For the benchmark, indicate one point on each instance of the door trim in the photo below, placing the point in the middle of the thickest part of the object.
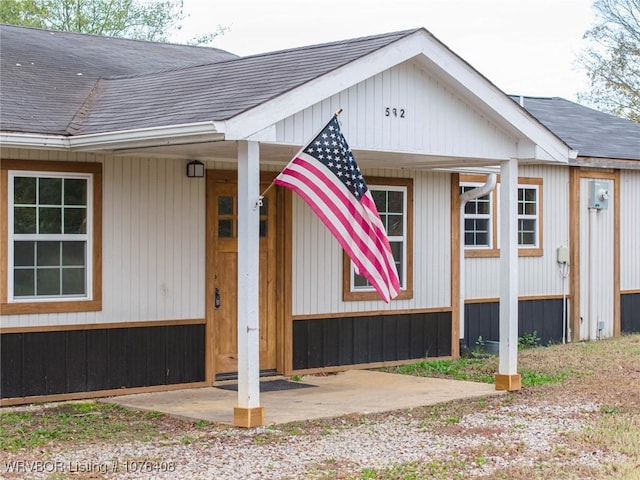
(283, 335)
(576, 174)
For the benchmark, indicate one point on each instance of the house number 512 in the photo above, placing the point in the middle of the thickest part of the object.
(393, 111)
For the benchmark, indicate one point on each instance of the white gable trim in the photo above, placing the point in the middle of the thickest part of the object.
(485, 95)
(320, 88)
(431, 53)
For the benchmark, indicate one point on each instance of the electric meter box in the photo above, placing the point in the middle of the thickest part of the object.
(598, 194)
(562, 254)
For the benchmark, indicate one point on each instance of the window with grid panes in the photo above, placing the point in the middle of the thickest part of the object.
(477, 219)
(50, 223)
(528, 216)
(391, 202)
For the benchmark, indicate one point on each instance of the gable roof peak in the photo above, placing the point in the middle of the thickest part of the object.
(392, 36)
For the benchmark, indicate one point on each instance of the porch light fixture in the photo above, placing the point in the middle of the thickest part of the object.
(195, 169)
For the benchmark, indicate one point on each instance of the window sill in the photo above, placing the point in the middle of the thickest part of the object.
(50, 307)
(368, 296)
(495, 253)
(530, 252)
(481, 253)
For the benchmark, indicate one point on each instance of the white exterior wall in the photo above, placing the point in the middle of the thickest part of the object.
(537, 275)
(629, 230)
(317, 256)
(436, 122)
(596, 264)
(154, 229)
(153, 256)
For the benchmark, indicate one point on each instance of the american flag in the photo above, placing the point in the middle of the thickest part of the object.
(325, 174)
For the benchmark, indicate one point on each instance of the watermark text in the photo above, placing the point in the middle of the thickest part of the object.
(89, 466)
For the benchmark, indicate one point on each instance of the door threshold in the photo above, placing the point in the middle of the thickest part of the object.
(221, 377)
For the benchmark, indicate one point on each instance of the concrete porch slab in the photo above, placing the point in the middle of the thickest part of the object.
(350, 392)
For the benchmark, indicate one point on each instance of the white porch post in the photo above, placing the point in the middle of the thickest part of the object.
(507, 377)
(248, 413)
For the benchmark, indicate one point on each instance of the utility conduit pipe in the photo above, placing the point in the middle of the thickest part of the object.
(593, 323)
(465, 197)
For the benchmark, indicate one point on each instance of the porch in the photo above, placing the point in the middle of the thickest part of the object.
(314, 397)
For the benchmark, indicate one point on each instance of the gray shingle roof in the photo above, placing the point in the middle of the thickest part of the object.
(127, 84)
(592, 133)
(46, 76)
(221, 90)
(63, 83)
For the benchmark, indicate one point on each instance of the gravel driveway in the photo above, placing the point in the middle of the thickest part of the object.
(471, 445)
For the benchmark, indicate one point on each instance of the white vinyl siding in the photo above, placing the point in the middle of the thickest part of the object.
(436, 120)
(538, 275)
(153, 248)
(317, 256)
(154, 230)
(153, 255)
(596, 261)
(629, 230)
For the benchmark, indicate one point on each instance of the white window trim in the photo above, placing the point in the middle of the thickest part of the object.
(488, 216)
(86, 237)
(535, 217)
(395, 238)
(495, 243)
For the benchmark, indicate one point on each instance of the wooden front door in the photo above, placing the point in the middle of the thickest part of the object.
(222, 276)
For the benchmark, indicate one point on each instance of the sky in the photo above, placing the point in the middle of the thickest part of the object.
(524, 47)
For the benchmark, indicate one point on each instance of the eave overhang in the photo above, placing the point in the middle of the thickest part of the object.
(127, 139)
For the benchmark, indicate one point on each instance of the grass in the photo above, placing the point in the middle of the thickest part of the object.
(79, 422)
(532, 378)
(477, 370)
(474, 369)
(434, 470)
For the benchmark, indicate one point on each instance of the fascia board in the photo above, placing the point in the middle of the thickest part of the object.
(148, 137)
(269, 113)
(30, 140)
(137, 138)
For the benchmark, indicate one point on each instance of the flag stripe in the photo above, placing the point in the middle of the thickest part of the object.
(338, 224)
(327, 177)
(337, 227)
(370, 232)
(361, 239)
(370, 205)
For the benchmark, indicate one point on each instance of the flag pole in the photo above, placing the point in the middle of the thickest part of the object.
(261, 197)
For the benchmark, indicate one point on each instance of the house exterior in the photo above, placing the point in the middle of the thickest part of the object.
(119, 273)
(600, 240)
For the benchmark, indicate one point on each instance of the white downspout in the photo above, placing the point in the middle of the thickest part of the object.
(465, 197)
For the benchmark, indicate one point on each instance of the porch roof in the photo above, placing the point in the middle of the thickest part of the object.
(71, 84)
(100, 93)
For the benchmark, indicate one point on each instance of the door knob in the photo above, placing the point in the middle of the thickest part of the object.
(217, 299)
